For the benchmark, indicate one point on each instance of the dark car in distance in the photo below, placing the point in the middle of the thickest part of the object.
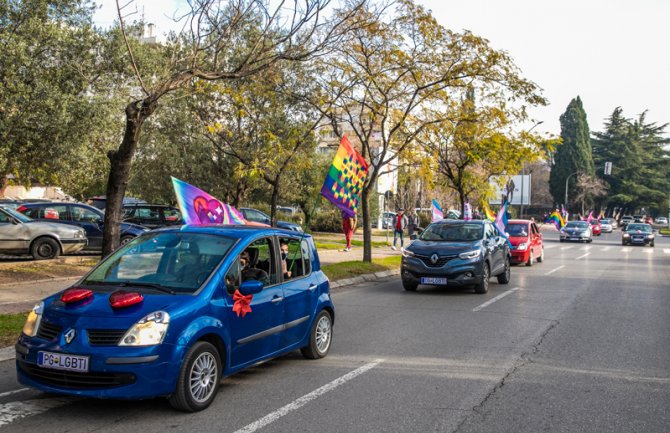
(152, 215)
(261, 217)
(81, 215)
(638, 234)
(456, 253)
(100, 201)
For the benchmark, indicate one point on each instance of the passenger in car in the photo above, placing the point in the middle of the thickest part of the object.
(249, 269)
(283, 245)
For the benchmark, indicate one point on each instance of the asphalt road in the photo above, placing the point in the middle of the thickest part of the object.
(579, 343)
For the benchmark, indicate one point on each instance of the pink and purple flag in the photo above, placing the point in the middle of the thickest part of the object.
(500, 222)
(438, 215)
(345, 179)
(198, 207)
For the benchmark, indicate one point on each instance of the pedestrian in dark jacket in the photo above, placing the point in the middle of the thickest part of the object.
(399, 226)
(412, 224)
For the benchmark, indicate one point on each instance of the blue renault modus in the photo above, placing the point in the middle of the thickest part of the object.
(175, 310)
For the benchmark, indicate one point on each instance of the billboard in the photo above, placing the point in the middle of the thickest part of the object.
(516, 188)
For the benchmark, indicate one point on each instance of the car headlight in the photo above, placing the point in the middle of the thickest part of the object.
(33, 321)
(470, 255)
(407, 253)
(522, 246)
(625, 235)
(650, 236)
(79, 234)
(149, 331)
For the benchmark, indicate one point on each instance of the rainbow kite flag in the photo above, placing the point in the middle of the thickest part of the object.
(198, 207)
(556, 219)
(490, 215)
(345, 179)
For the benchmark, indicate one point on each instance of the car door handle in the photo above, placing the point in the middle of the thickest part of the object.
(277, 299)
(312, 287)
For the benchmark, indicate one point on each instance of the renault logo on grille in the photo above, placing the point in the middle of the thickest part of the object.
(69, 335)
(434, 258)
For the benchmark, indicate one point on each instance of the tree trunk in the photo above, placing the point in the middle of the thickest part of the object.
(461, 198)
(367, 227)
(120, 163)
(273, 202)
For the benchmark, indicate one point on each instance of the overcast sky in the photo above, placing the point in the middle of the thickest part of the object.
(609, 52)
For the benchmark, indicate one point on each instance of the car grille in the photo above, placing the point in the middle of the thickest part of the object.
(74, 380)
(441, 261)
(105, 337)
(48, 331)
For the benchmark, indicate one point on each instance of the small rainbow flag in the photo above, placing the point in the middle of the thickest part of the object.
(556, 219)
(345, 179)
(490, 215)
(198, 207)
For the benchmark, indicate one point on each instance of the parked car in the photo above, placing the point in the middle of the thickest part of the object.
(260, 217)
(152, 215)
(456, 253)
(625, 220)
(9, 203)
(579, 231)
(387, 220)
(526, 240)
(638, 234)
(596, 227)
(20, 234)
(100, 201)
(662, 221)
(606, 225)
(81, 215)
(173, 312)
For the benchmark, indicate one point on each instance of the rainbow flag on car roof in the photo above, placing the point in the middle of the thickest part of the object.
(345, 179)
(198, 207)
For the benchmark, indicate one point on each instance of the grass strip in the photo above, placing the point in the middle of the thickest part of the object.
(10, 328)
(339, 271)
(665, 231)
(334, 244)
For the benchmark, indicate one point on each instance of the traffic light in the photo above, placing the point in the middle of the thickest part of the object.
(608, 168)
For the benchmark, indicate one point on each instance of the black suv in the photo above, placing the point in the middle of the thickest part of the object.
(152, 215)
(456, 253)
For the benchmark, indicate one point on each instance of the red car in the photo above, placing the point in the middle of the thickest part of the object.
(526, 240)
(596, 228)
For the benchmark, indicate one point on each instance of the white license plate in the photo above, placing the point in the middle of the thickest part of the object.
(60, 361)
(433, 280)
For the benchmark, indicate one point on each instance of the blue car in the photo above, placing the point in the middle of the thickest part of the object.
(82, 215)
(176, 309)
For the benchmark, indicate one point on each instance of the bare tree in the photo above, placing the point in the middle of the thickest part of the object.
(220, 40)
(588, 189)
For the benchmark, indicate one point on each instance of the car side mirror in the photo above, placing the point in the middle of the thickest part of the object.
(251, 287)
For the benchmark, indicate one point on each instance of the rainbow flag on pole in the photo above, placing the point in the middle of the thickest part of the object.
(490, 215)
(198, 207)
(345, 179)
(557, 220)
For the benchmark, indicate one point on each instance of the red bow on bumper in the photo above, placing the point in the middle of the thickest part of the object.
(241, 305)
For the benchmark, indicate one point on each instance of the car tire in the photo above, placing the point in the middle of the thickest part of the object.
(651, 244)
(483, 286)
(125, 239)
(531, 259)
(561, 240)
(410, 286)
(541, 258)
(199, 378)
(44, 249)
(623, 243)
(320, 337)
(507, 273)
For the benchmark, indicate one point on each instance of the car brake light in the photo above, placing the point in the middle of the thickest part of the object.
(21, 209)
(75, 294)
(122, 299)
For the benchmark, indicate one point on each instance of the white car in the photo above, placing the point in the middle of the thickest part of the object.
(606, 225)
(662, 221)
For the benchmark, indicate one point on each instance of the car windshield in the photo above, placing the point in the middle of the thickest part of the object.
(19, 216)
(595, 222)
(180, 262)
(576, 225)
(645, 228)
(452, 232)
(516, 229)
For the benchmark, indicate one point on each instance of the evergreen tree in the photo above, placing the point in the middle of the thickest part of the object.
(574, 155)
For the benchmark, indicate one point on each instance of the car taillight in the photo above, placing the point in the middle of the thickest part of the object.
(21, 209)
(75, 294)
(123, 299)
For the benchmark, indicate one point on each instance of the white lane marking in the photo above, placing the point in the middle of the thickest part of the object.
(651, 251)
(12, 411)
(666, 250)
(16, 391)
(567, 248)
(549, 246)
(297, 404)
(626, 249)
(497, 298)
(605, 248)
(554, 270)
(582, 256)
(586, 248)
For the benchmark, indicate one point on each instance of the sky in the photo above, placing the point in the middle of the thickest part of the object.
(609, 52)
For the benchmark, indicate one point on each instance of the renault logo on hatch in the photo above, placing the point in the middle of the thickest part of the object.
(69, 335)
(433, 258)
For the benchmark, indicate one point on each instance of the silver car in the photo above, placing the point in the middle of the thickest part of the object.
(579, 231)
(606, 225)
(43, 240)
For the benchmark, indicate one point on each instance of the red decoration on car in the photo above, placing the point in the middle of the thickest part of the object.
(75, 294)
(122, 299)
(242, 302)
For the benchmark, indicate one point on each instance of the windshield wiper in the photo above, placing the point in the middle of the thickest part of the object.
(133, 284)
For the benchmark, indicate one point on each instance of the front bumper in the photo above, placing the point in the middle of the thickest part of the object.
(519, 256)
(71, 246)
(458, 272)
(632, 240)
(114, 372)
(575, 237)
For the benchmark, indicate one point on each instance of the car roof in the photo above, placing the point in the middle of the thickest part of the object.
(449, 221)
(146, 205)
(231, 230)
(518, 221)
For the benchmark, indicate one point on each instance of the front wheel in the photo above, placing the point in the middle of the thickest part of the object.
(507, 273)
(483, 285)
(125, 239)
(541, 258)
(531, 258)
(409, 285)
(651, 244)
(319, 337)
(44, 249)
(199, 378)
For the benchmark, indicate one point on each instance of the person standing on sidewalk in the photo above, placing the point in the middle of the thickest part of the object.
(399, 226)
(348, 226)
(412, 224)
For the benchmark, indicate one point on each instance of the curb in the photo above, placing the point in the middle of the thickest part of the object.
(364, 278)
(44, 280)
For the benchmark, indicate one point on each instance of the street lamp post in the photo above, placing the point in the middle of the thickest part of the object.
(566, 188)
